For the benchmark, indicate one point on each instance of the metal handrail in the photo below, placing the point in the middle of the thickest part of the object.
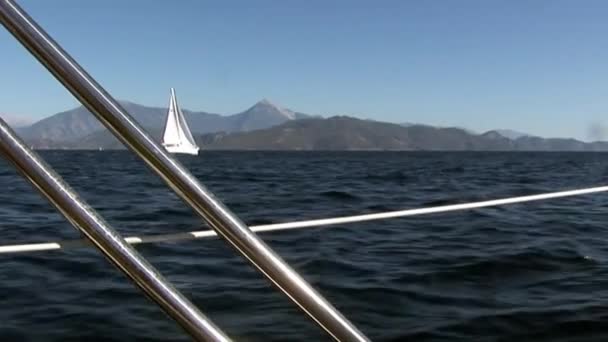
(177, 177)
(105, 238)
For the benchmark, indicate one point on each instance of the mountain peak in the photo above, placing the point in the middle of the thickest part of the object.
(511, 134)
(265, 105)
(266, 102)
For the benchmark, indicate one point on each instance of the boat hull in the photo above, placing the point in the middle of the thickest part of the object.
(182, 149)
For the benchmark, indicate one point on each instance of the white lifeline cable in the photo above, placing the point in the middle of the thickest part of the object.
(31, 247)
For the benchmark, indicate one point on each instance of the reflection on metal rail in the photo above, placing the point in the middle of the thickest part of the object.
(177, 177)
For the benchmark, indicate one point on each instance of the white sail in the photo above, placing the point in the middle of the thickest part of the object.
(184, 129)
(177, 137)
(171, 133)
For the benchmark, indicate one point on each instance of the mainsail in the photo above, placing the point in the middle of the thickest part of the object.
(176, 136)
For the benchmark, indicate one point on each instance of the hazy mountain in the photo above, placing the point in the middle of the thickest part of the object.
(16, 121)
(78, 123)
(409, 124)
(530, 143)
(62, 126)
(511, 134)
(347, 133)
(103, 139)
(267, 126)
(263, 114)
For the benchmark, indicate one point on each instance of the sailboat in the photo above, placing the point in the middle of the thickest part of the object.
(176, 136)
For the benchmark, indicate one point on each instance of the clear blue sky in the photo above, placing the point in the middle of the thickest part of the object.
(535, 66)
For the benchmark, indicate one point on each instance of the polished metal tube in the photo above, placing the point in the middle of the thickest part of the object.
(105, 238)
(124, 127)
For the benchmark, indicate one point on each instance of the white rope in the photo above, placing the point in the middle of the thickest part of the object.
(310, 223)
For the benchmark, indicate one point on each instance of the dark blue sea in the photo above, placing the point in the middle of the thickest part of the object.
(530, 272)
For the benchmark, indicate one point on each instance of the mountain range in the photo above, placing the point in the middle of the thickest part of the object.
(70, 126)
(267, 126)
(347, 133)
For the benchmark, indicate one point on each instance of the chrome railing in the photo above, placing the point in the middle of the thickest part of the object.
(196, 195)
(105, 238)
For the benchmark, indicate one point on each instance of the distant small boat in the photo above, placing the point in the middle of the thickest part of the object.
(176, 136)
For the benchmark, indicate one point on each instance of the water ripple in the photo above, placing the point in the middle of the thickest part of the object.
(534, 271)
